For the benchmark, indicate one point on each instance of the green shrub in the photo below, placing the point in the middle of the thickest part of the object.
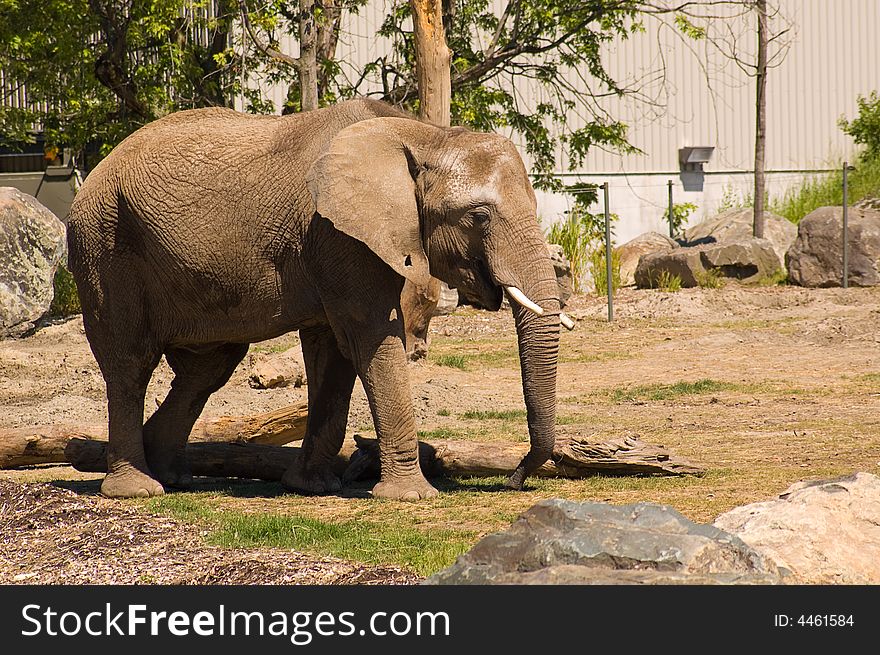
(579, 235)
(776, 278)
(827, 190)
(680, 214)
(713, 278)
(668, 282)
(599, 271)
(65, 302)
(865, 128)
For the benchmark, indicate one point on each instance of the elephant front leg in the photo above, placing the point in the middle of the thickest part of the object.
(330, 382)
(386, 382)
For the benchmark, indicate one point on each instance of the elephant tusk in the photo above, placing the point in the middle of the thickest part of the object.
(523, 300)
(566, 321)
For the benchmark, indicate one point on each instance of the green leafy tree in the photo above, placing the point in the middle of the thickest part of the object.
(555, 44)
(95, 70)
(865, 128)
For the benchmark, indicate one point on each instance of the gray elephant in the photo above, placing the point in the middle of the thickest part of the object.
(208, 230)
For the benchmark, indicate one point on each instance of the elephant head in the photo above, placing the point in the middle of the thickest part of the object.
(456, 205)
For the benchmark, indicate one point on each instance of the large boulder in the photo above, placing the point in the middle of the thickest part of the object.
(816, 258)
(633, 250)
(825, 532)
(565, 542)
(747, 260)
(32, 243)
(737, 225)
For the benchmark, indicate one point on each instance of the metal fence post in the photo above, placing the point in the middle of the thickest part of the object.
(671, 231)
(609, 283)
(845, 280)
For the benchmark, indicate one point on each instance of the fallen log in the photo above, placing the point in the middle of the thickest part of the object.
(46, 444)
(573, 457)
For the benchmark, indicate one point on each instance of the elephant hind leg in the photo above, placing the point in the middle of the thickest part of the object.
(127, 370)
(331, 380)
(196, 377)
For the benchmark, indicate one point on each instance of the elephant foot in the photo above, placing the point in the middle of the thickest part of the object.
(176, 475)
(314, 483)
(128, 482)
(173, 472)
(413, 487)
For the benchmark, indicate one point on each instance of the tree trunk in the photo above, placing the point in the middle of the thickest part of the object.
(433, 60)
(46, 444)
(328, 36)
(308, 56)
(761, 119)
(573, 457)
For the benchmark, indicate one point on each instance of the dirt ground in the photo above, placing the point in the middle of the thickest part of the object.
(793, 393)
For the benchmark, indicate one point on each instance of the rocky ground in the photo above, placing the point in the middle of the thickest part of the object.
(793, 393)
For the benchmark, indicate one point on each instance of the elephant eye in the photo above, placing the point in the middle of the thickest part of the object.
(480, 215)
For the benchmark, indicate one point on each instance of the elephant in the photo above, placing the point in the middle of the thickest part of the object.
(209, 229)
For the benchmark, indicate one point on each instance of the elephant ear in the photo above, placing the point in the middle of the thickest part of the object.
(363, 184)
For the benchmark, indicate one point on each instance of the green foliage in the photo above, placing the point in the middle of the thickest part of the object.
(681, 212)
(599, 270)
(494, 415)
(581, 234)
(730, 199)
(443, 412)
(670, 391)
(777, 278)
(452, 361)
(65, 302)
(668, 282)
(542, 43)
(827, 190)
(712, 278)
(421, 551)
(95, 70)
(865, 128)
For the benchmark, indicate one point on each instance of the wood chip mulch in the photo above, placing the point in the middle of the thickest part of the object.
(51, 535)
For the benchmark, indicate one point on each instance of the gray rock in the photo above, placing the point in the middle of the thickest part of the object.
(633, 250)
(737, 225)
(561, 541)
(816, 258)
(32, 243)
(825, 532)
(274, 370)
(448, 300)
(748, 260)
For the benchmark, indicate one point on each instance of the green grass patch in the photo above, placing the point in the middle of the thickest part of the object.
(443, 412)
(671, 391)
(423, 551)
(452, 361)
(492, 415)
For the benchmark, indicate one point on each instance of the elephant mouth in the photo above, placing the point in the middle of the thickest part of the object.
(483, 292)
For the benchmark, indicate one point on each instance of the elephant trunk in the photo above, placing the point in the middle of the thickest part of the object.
(538, 338)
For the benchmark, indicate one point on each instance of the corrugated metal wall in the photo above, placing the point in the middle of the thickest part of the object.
(833, 57)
